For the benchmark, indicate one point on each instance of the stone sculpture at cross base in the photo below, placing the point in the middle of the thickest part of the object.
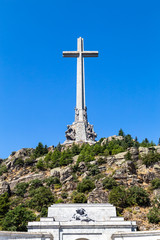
(80, 130)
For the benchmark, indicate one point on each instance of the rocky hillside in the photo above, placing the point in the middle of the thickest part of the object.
(117, 169)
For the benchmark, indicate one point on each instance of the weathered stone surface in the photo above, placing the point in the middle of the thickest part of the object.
(82, 166)
(120, 156)
(134, 152)
(84, 175)
(55, 172)
(129, 166)
(148, 177)
(26, 178)
(70, 186)
(98, 196)
(110, 160)
(7, 235)
(127, 170)
(102, 168)
(22, 153)
(75, 159)
(156, 192)
(143, 150)
(157, 148)
(156, 168)
(65, 174)
(4, 187)
(109, 139)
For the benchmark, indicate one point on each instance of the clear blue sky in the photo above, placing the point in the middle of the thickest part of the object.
(38, 85)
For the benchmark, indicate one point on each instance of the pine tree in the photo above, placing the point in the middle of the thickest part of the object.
(121, 133)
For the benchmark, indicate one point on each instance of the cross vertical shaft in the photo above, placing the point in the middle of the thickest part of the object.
(80, 98)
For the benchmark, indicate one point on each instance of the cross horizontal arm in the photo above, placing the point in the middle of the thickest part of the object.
(70, 54)
(90, 54)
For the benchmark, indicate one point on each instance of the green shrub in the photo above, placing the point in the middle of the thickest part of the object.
(101, 161)
(59, 147)
(34, 184)
(121, 133)
(109, 183)
(57, 186)
(75, 178)
(57, 158)
(64, 195)
(41, 197)
(3, 169)
(146, 143)
(79, 198)
(93, 170)
(154, 215)
(117, 150)
(12, 154)
(83, 157)
(15, 201)
(60, 200)
(17, 219)
(86, 154)
(155, 183)
(75, 149)
(151, 158)
(29, 161)
(128, 156)
(86, 185)
(4, 204)
(66, 158)
(40, 150)
(137, 196)
(19, 162)
(106, 152)
(118, 197)
(114, 147)
(52, 180)
(98, 149)
(44, 212)
(41, 165)
(21, 189)
(128, 141)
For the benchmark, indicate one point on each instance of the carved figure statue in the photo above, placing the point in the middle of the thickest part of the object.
(81, 215)
(76, 114)
(70, 133)
(85, 115)
(90, 132)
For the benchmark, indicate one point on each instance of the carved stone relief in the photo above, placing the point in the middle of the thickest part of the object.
(76, 114)
(91, 135)
(70, 133)
(81, 215)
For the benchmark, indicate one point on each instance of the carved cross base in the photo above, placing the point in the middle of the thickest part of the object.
(80, 132)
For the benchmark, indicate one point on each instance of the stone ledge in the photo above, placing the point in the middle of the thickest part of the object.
(25, 235)
(82, 205)
(136, 234)
(109, 223)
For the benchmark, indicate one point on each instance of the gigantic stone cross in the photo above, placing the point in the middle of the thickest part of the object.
(80, 130)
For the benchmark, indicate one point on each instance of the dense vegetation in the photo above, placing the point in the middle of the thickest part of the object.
(30, 200)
